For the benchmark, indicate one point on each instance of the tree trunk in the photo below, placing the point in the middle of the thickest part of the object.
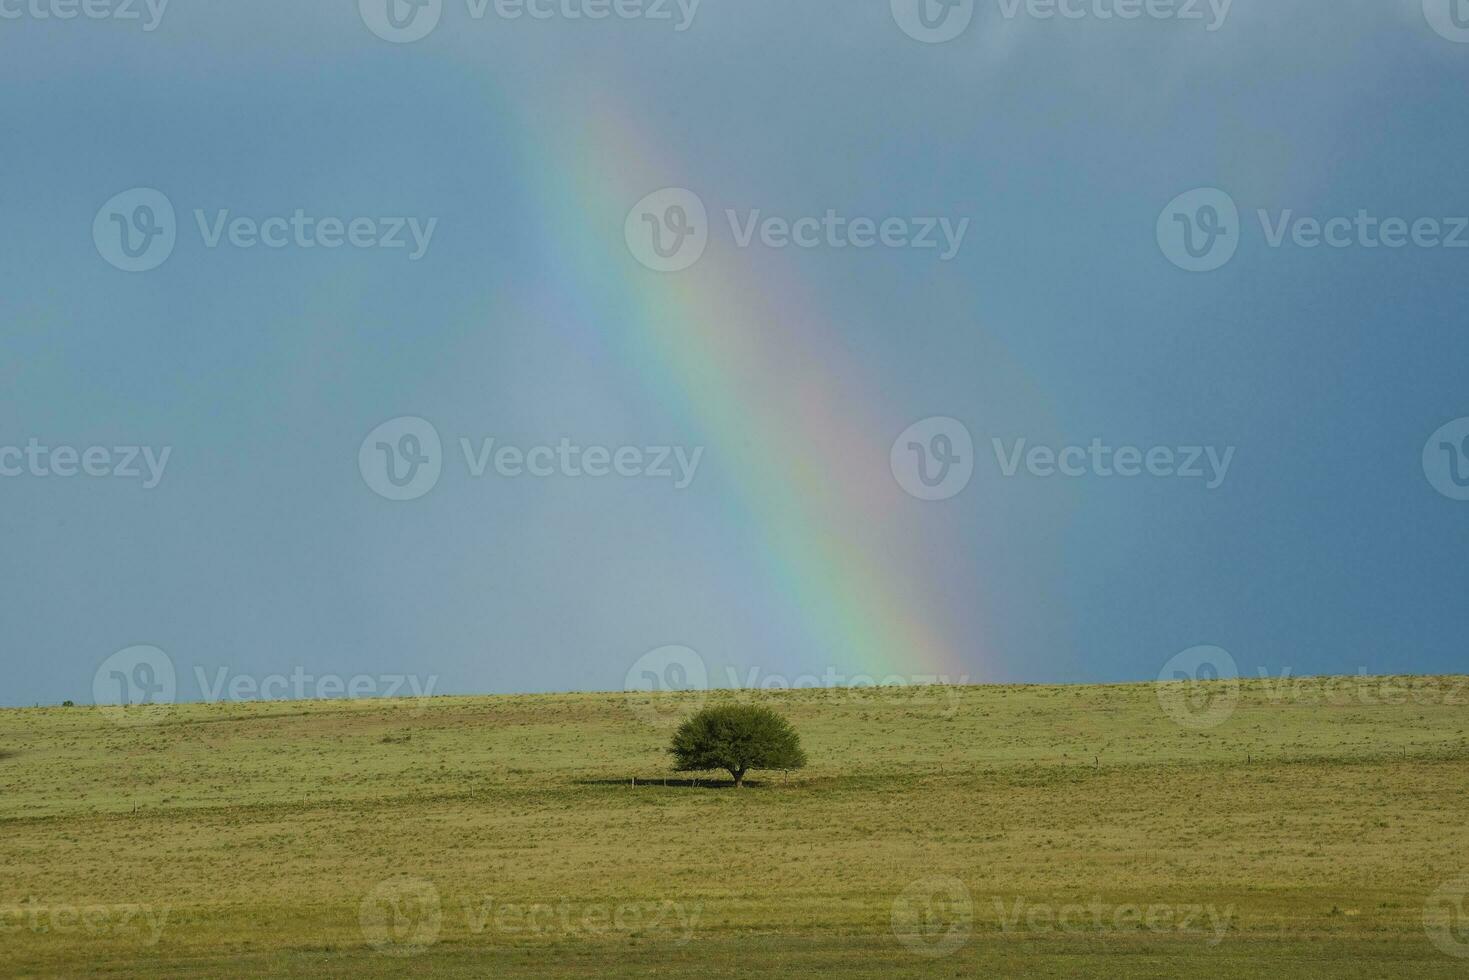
(739, 778)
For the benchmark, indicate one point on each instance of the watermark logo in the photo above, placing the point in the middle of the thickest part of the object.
(933, 917)
(661, 672)
(402, 459)
(401, 21)
(136, 230)
(401, 916)
(404, 916)
(933, 21)
(136, 685)
(1449, 18)
(1446, 919)
(933, 459)
(668, 230)
(1199, 688)
(1446, 460)
(1199, 231)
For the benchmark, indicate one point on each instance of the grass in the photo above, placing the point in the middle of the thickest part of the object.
(274, 838)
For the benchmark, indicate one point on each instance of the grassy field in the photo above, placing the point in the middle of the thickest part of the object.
(983, 831)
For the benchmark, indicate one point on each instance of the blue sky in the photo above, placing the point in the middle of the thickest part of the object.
(1061, 319)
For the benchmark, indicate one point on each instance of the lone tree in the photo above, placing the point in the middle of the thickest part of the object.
(736, 738)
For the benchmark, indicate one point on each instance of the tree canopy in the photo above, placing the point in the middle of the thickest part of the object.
(736, 738)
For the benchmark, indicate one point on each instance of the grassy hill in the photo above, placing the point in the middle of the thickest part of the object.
(1044, 831)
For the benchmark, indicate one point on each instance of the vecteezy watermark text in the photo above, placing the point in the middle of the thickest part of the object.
(301, 230)
(566, 458)
(1212, 13)
(1207, 463)
(565, 917)
(404, 916)
(42, 917)
(139, 684)
(149, 13)
(228, 685)
(1201, 230)
(934, 459)
(403, 458)
(940, 688)
(137, 231)
(35, 459)
(406, 21)
(1202, 687)
(939, 21)
(1205, 920)
(668, 231)
(655, 677)
(935, 917)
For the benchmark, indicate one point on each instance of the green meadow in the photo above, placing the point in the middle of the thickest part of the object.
(1317, 830)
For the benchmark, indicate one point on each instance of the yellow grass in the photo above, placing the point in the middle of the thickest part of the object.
(1305, 835)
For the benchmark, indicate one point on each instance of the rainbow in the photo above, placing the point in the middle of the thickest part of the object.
(764, 375)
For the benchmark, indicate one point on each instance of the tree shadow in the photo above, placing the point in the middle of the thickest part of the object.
(661, 783)
(8, 754)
